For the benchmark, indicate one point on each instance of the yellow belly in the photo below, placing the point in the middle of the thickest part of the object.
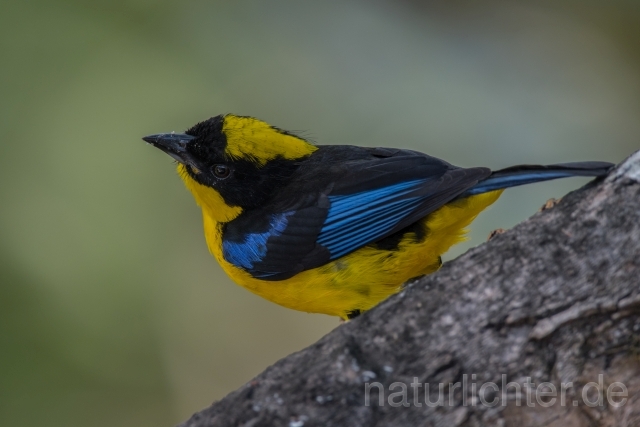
(363, 278)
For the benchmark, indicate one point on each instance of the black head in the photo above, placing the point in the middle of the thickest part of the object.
(244, 159)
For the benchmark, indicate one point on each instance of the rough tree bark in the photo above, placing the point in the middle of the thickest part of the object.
(556, 299)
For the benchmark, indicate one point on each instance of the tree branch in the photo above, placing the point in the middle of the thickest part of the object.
(556, 299)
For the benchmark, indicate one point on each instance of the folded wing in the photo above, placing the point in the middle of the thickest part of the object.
(336, 208)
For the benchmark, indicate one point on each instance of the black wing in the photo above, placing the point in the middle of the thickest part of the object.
(341, 199)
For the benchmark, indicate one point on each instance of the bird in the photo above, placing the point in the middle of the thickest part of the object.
(332, 229)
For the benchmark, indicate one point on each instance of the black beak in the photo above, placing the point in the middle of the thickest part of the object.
(174, 144)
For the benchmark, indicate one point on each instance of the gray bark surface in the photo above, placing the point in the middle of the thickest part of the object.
(555, 299)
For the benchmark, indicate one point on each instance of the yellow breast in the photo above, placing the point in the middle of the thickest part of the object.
(363, 278)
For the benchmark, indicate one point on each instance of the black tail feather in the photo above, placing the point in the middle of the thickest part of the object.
(527, 174)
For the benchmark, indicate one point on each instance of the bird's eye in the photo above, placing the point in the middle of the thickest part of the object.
(221, 171)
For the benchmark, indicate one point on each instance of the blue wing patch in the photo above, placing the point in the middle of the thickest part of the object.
(254, 246)
(357, 219)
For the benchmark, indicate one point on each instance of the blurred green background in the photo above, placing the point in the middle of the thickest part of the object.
(112, 312)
